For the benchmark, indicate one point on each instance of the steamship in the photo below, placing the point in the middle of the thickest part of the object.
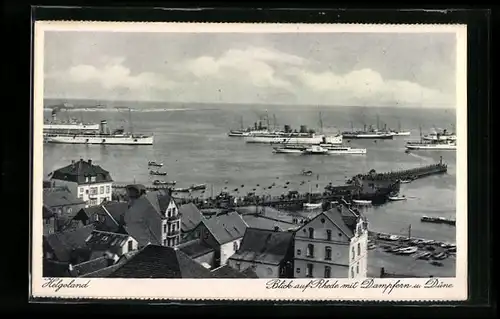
(289, 136)
(103, 137)
(74, 125)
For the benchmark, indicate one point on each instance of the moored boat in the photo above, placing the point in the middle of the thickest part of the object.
(407, 250)
(158, 182)
(153, 163)
(438, 220)
(396, 198)
(311, 206)
(198, 187)
(362, 202)
(158, 173)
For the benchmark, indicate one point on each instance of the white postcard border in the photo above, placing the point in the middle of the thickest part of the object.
(249, 289)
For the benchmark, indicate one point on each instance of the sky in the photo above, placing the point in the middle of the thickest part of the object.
(349, 69)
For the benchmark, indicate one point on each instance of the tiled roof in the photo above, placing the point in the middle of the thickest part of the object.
(191, 216)
(79, 170)
(143, 222)
(63, 243)
(104, 272)
(55, 198)
(226, 227)
(336, 218)
(160, 262)
(112, 211)
(90, 266)
(264, 246)
(229, 272)
(101, 240)
(53, 268)
(196, 249)
(47, 212)
(262, 222)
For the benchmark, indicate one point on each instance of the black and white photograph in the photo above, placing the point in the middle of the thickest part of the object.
(250, 155)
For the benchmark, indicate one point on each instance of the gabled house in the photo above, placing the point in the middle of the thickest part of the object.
(268, 253)
(106, 217)
(191, 217)
(89, 182)
(155, 261)
(322, 246)
(102, 243)
(59, 207)
(222, 232)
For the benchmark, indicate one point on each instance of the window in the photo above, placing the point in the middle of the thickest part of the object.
(81, 189)
(238, 266)
(164, 242)
(235, 246)
(328, 253)
(359, 249)
(96, 217)
(86, 191)
(197, 234)
(340, 234)
(47, 221)
(87, 179)
(310, 250)
(357, 268)
(69, 210)
(130, 245)
(92, 179)
(309, 270)
(165, 228)
(299, 252)
(328, 271)
(174, 211)
(298, 270)
(353, 253)
(169, 212)
(328, 234)
(352, 272)
(101, 190)
(205, 234)
(311, 233)
(107, 189)
(93, 191)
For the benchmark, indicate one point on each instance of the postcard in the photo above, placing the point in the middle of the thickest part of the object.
(240, 161)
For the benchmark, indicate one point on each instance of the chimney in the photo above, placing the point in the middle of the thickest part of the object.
(382, 272)
(72, 161)
(90, 162)
(276, 229)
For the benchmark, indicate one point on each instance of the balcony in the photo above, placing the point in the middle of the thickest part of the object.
(173, 233)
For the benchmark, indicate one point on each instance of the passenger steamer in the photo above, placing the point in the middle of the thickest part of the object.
(102, 137)
(72, 125)
(329, 149)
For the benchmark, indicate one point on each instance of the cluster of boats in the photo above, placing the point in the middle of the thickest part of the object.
(171, 184)
(77, 132)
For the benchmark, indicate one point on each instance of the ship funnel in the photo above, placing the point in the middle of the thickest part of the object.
(104, 127)
(303, 129)
(287, 128)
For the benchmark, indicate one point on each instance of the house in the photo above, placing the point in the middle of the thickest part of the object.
(200, 252)
(226, 271)
(268, 253)
(222, 232)
(89, 182)
(154, 261)
(191, 217)
(102, 243)
(68, 247)
(59, 207)
(148, 217)
(322, 247)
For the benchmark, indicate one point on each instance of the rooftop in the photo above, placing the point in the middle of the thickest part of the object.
(226, 271)
(196, 249)
(264, 246)
(102, 240)
(64, 243)
(78, 172)
(336, 218)
(226, 227)
(57, 197)
(191, 216)
(155, 261)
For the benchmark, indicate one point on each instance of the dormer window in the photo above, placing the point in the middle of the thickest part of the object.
(86, 179)
(92, 179)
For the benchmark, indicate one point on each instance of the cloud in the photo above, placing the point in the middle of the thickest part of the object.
(248, 75)
(112, 75)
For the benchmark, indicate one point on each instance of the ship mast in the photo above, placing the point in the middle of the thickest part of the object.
(320, 123)
(130, 120)
(275, 122)
(241, 123)
(267, 120)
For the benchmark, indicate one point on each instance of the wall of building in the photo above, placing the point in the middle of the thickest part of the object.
(336, 271)
(229, 249)
(338, 243)
(170, 225)
(95, 193)
(262, 270)
(358, 256)
(125, 247)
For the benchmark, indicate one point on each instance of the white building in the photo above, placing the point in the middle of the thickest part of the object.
(89, 182)
(358, 251)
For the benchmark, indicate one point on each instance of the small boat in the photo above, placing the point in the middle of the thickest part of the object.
(397, 198)
(439, 256)
(436, 263)
(407, 250)
(393, 237)
(198, 187)
(362, 202)
(371, 246)
(158, 182)
(153, 163)
(182, 190)
(438, 220)
(312, 205)
(158, 173)
(423, 255)
(307, 173)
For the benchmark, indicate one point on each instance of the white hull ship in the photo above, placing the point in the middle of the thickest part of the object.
(368, 135)
(329, 149)
(102, 137)
(71, 125)
(400, 133)
(293, 138)
(443, 135)
(448, 146)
